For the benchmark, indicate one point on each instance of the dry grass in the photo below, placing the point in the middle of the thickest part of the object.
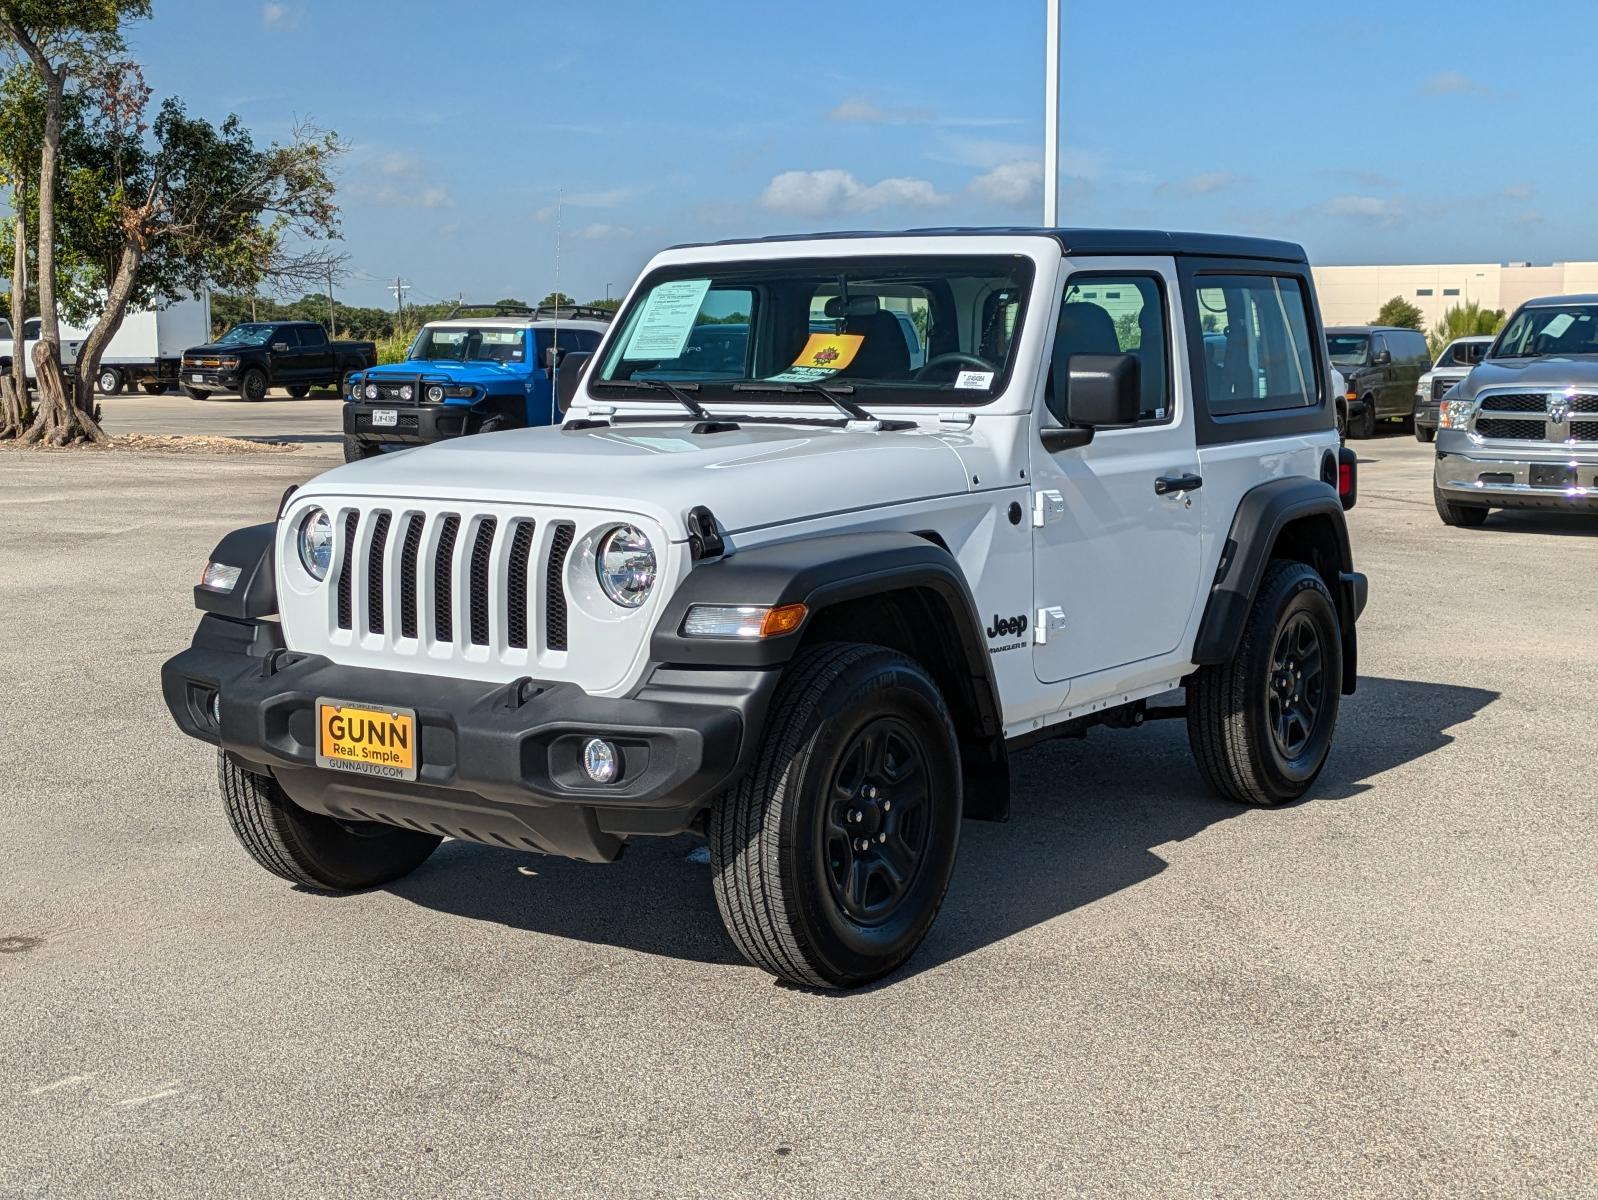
(151, 443)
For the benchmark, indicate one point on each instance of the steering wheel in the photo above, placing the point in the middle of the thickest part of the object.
(953, 357)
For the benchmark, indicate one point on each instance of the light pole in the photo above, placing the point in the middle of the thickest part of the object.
(1051, 117)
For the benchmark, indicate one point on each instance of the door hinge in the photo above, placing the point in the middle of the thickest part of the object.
(1047, 507)
(1050, 620)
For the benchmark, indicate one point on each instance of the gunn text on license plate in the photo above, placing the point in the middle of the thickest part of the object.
(366, 739)
(384, 416)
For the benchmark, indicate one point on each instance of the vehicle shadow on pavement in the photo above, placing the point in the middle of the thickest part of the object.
(1087, 818)
(1546, 524)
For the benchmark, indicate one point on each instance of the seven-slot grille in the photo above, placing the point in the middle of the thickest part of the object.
(1528, 416)
(1440, 386)
(454, 579)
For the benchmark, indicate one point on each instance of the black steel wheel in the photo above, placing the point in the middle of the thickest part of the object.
(1261, 724)
(832, 854)
(253, 386)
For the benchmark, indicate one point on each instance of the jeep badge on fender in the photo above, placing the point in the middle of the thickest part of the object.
(736, 593)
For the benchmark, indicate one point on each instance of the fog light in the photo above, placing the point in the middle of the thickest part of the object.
(599, 760)
(219, 577)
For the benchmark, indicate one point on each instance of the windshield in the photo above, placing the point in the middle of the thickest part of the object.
(1549, 329)
(1348, 349)
(246, 335)
(911, 329)
(1463, 354)
(459, 343)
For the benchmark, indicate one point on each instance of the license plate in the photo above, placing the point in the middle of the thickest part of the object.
(1553, 475)
(366, 740)
(197, 378)
(385, 416)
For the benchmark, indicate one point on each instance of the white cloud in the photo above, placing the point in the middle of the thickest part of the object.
(400, 196)
(280, 16)
(830, 192)
(1372, 210)
(1207, 183)
(1518, 191)
(1455, 83)
(601, 232)
(1009, 185)
(866, 111)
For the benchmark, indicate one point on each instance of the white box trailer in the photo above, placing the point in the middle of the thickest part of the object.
(147, 349)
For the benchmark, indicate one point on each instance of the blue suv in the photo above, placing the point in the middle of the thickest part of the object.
(468, 374)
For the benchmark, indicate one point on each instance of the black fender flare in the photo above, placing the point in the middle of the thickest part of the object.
(831, 569)
(1264, 512)
(254, 595)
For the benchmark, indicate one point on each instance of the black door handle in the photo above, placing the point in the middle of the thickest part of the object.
(1166, 484)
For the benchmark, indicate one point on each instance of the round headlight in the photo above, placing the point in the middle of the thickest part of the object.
(316, 542)
(434, 393)
(405, 392)
(371, 391)
(355, 389)
(625, 562)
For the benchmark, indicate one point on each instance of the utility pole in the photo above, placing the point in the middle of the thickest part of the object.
(399, 287)
(1051, 117)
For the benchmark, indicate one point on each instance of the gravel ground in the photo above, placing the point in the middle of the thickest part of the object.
(1134, 989)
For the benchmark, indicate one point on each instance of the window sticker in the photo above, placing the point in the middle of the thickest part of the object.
(974, 381)
(667, 320)
(824, 355)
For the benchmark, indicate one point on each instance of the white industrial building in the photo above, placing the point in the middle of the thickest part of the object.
(1354, 295)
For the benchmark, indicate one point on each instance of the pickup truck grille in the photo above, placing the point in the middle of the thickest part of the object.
(1527, 416)
(458, 581)
(1440, 386)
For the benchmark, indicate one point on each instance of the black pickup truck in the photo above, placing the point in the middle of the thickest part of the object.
(256, 355)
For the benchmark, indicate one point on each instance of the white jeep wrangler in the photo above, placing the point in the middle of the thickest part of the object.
(832, 526)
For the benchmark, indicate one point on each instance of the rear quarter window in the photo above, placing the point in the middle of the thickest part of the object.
(1258, 353)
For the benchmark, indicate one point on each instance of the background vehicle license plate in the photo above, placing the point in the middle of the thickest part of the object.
(197, 378)
(384, 416)
(366, 740)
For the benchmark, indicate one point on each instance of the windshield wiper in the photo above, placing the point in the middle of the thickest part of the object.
(834, 395)
(678, 392)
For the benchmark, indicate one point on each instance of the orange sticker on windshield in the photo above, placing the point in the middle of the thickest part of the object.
(829, 351)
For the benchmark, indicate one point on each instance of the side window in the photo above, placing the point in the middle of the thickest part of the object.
(5, 328)
(1419, 352)
(1121, 314)
(31, 327)
(290, 337)
(1257, 351)
(1379, 346)
(312, 336)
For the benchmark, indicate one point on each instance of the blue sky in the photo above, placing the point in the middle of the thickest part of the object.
(1405, 131)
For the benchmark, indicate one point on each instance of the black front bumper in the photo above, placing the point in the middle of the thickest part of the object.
(414, 423)
(1426, 414)
(498, 763)
(209, 379)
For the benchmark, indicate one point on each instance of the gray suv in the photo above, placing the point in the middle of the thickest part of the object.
(1521, 431)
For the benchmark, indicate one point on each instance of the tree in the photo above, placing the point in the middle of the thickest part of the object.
(63, 44)
(1401, 313)
(609, 304)
(180, 205)
(21, 131)
(1464, 320)
(556, 299)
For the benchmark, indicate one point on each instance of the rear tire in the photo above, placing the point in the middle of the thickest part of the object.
(355, 450)
(253, 386)
(831, 856)
(1459, 516)
(308, 848)
(109, 381)
(153, 389)
(299, 391)
(1261, 725)
(196, 394)
(1364, 425)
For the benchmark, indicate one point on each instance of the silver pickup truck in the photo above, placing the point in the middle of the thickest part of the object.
(1522, 430)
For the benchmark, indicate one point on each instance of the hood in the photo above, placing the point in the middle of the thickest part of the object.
(1551, 371)
(465, 372)
(750, 477)
(213, 348)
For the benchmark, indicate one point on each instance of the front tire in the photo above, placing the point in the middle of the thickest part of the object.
(1425, 433)
(196, 394)
(253, 386)
(299, 391)
(153, 389)
(308, 848)
(355, 450)
(832, 855)
(109, 381)
(1458, 516)
(1364, 425)
(1261, 725)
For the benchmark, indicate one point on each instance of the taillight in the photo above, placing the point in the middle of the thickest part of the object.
(1347, 477)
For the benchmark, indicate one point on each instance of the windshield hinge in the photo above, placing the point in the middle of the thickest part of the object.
(871, 426)
(956, 420)
(602, 410)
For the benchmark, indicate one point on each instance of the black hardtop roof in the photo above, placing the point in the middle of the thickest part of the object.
(1126, 242)
(1370, 329)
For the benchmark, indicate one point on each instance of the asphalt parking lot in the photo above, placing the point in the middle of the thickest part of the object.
(1134, 988)
(315, 420)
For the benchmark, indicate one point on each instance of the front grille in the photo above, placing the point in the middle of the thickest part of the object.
(1516, 402)
(456, 579)
(391, 391)
(1584, 404)
(1584, 431)
(1440, 386)
(405, 423)
(1516, 430)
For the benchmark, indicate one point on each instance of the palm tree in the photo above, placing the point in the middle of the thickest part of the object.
(1464, 320)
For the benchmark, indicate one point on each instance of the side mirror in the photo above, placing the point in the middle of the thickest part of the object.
(1101, 390)
(554, 356)
(573, 364)
(1383, 358)
(280, 346)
